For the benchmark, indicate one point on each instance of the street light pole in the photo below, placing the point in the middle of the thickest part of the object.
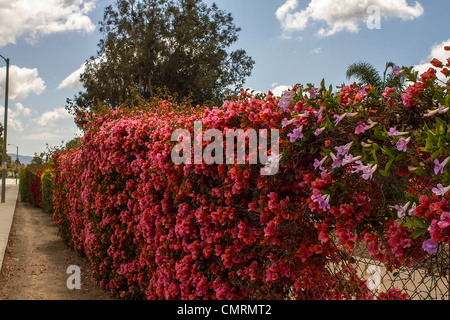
(5, 130)
(17, 158)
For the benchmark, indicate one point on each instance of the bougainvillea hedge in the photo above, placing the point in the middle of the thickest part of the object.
(355, 165)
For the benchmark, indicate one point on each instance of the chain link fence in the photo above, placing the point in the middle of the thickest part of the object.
(428, 279)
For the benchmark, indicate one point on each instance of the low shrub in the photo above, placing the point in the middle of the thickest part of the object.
(23, 190)
(47, 188)
(30, 184)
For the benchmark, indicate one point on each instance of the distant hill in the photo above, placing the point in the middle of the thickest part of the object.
(22, 159)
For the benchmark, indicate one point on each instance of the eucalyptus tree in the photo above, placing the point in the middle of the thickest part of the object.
(182, 45)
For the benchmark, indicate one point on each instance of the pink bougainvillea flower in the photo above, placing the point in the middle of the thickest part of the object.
(387, 92)
(439, 167)
(361, 128)
(429, 246)
(444, 222)
(402, 144)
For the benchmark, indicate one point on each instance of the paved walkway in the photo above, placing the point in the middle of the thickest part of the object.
(7, 210)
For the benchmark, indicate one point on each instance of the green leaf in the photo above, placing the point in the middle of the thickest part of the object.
(417, 233)
(388, 166)
(379, 135)
(384, 173)
(409, 223)
(435, 154)
(411, 198)
(441, 126)
(388, 152)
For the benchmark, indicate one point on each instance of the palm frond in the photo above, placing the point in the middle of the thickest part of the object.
(365, 73)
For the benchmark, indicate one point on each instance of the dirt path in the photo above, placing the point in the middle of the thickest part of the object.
(36, 262)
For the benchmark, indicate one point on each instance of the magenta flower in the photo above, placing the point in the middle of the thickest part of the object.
(344, 149)
(440, 190)
(396, 71)
(319, 131)
(429, 246)
(318, 164)
(313, 93)
(359, 166)
(401, 211)
(402, 144)
(323, 201)
(349, 159)
(286, 122)
(296, 134)
(337, 161)
(286, 100)
(441, 109)
(393, 132)
(439, 167)
(368, 171)
(338, 118)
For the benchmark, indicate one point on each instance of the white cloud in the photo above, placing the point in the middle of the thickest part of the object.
(279, 89)
(22, 82)
(316, 50)
(15, 115)
(48, 118)
(33, 18)
(438, 52)
(73, 80)
(341, 15)
(42, 136)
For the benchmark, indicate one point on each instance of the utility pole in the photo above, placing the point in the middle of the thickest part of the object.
(5, 131)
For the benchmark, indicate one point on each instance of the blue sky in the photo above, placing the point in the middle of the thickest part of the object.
(291, 41)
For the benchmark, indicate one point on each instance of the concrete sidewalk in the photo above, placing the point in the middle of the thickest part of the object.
(7, 210)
